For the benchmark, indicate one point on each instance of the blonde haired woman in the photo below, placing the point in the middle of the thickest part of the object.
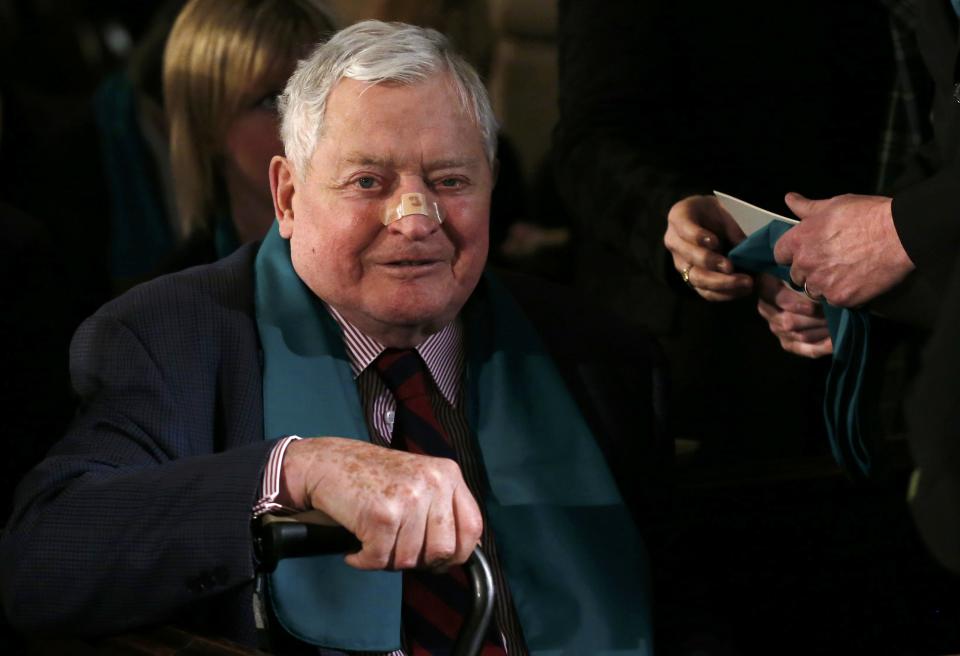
(224, 65)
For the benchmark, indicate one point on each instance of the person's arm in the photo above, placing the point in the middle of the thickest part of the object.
(133, 516)
(139, 513)
(926, 219)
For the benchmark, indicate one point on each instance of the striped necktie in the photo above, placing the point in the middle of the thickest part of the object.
(434, 605)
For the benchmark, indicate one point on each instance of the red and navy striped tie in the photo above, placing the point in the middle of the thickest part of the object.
(434, 605)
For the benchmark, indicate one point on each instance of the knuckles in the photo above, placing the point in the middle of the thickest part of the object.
(842, 296)
(440, 554)
(385, 516)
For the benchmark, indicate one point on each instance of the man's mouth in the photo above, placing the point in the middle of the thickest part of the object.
(411, 263)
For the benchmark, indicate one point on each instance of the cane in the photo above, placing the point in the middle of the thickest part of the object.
(276, 538)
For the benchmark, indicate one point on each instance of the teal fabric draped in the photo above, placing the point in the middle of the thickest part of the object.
(850, 332)
(574, 559)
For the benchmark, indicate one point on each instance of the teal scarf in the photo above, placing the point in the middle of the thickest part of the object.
(850, 332)
(569, 548)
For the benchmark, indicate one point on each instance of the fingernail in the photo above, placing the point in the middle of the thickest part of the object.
(723, 266)
(706, 240)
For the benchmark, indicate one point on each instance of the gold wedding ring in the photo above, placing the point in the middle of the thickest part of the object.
(685, 274)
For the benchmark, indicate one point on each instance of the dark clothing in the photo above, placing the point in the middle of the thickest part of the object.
(660, 100)
(153, 486)
(926, 218)
(35, 335)
(934, 420)
(926, 203)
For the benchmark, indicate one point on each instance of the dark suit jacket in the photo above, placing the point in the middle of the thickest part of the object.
(927, 202)
(934, 422)
(662, 99)
(141, 514)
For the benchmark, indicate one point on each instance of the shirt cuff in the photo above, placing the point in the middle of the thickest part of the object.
(270, 484)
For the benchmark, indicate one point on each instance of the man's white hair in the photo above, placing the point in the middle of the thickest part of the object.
(374, 51)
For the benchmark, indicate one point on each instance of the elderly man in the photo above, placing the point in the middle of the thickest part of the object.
(363, 321)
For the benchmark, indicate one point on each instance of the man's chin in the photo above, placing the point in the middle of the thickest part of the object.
(405, 321)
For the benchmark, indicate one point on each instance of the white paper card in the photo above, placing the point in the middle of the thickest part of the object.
(749, 217)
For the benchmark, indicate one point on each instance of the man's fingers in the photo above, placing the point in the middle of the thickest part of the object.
(720, 297)
(797, 302)
(412, 539)
(377, 551)
(811, 335)
(785, 248)
(768, 287)
(767, 310)
(793, 326)
(469, 524)
(440, 543)
(816, 350)
(800, 204)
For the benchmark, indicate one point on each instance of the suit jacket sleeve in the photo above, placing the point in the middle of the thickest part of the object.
(143, 509)
(927, 203)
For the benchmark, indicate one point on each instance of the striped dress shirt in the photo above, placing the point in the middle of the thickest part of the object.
(443, 354)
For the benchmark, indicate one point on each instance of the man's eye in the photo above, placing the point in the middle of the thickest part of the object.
(366, 182)
(450, 183)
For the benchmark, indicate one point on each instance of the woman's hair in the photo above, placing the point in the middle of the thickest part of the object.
(219, 58)
(374, 51)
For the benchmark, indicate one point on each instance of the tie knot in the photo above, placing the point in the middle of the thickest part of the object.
(403, 372)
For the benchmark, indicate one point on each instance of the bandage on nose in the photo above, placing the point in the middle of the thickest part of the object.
(413, 203)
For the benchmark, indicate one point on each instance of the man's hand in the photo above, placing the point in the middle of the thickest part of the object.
(845, 248)
(695, 226)
(796, 321)
(407, 510)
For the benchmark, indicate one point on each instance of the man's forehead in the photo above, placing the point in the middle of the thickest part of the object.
(386, 160)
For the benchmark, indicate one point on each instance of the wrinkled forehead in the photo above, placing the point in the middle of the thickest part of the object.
(375, 122)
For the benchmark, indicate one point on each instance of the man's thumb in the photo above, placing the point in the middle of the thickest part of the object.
(799, 204)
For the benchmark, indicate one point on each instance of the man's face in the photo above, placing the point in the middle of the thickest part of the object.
(401, 282)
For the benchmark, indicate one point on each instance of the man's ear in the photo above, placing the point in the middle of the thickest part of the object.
(282, 189)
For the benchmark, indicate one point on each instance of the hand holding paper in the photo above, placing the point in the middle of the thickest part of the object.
(698, 228)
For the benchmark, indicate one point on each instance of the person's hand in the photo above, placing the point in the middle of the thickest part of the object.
(407, 510)
(845, 248)
(696, 229)
(794, 319)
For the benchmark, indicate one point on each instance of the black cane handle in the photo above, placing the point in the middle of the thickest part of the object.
(276, 540)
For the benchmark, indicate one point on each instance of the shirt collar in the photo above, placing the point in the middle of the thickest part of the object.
(442, 352)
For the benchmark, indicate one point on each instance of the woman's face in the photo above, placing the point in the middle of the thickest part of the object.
(252, 138)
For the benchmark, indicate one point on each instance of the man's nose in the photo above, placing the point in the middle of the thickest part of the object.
(419, 213)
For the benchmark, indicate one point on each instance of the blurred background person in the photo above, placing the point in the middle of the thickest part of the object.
(224, 65)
